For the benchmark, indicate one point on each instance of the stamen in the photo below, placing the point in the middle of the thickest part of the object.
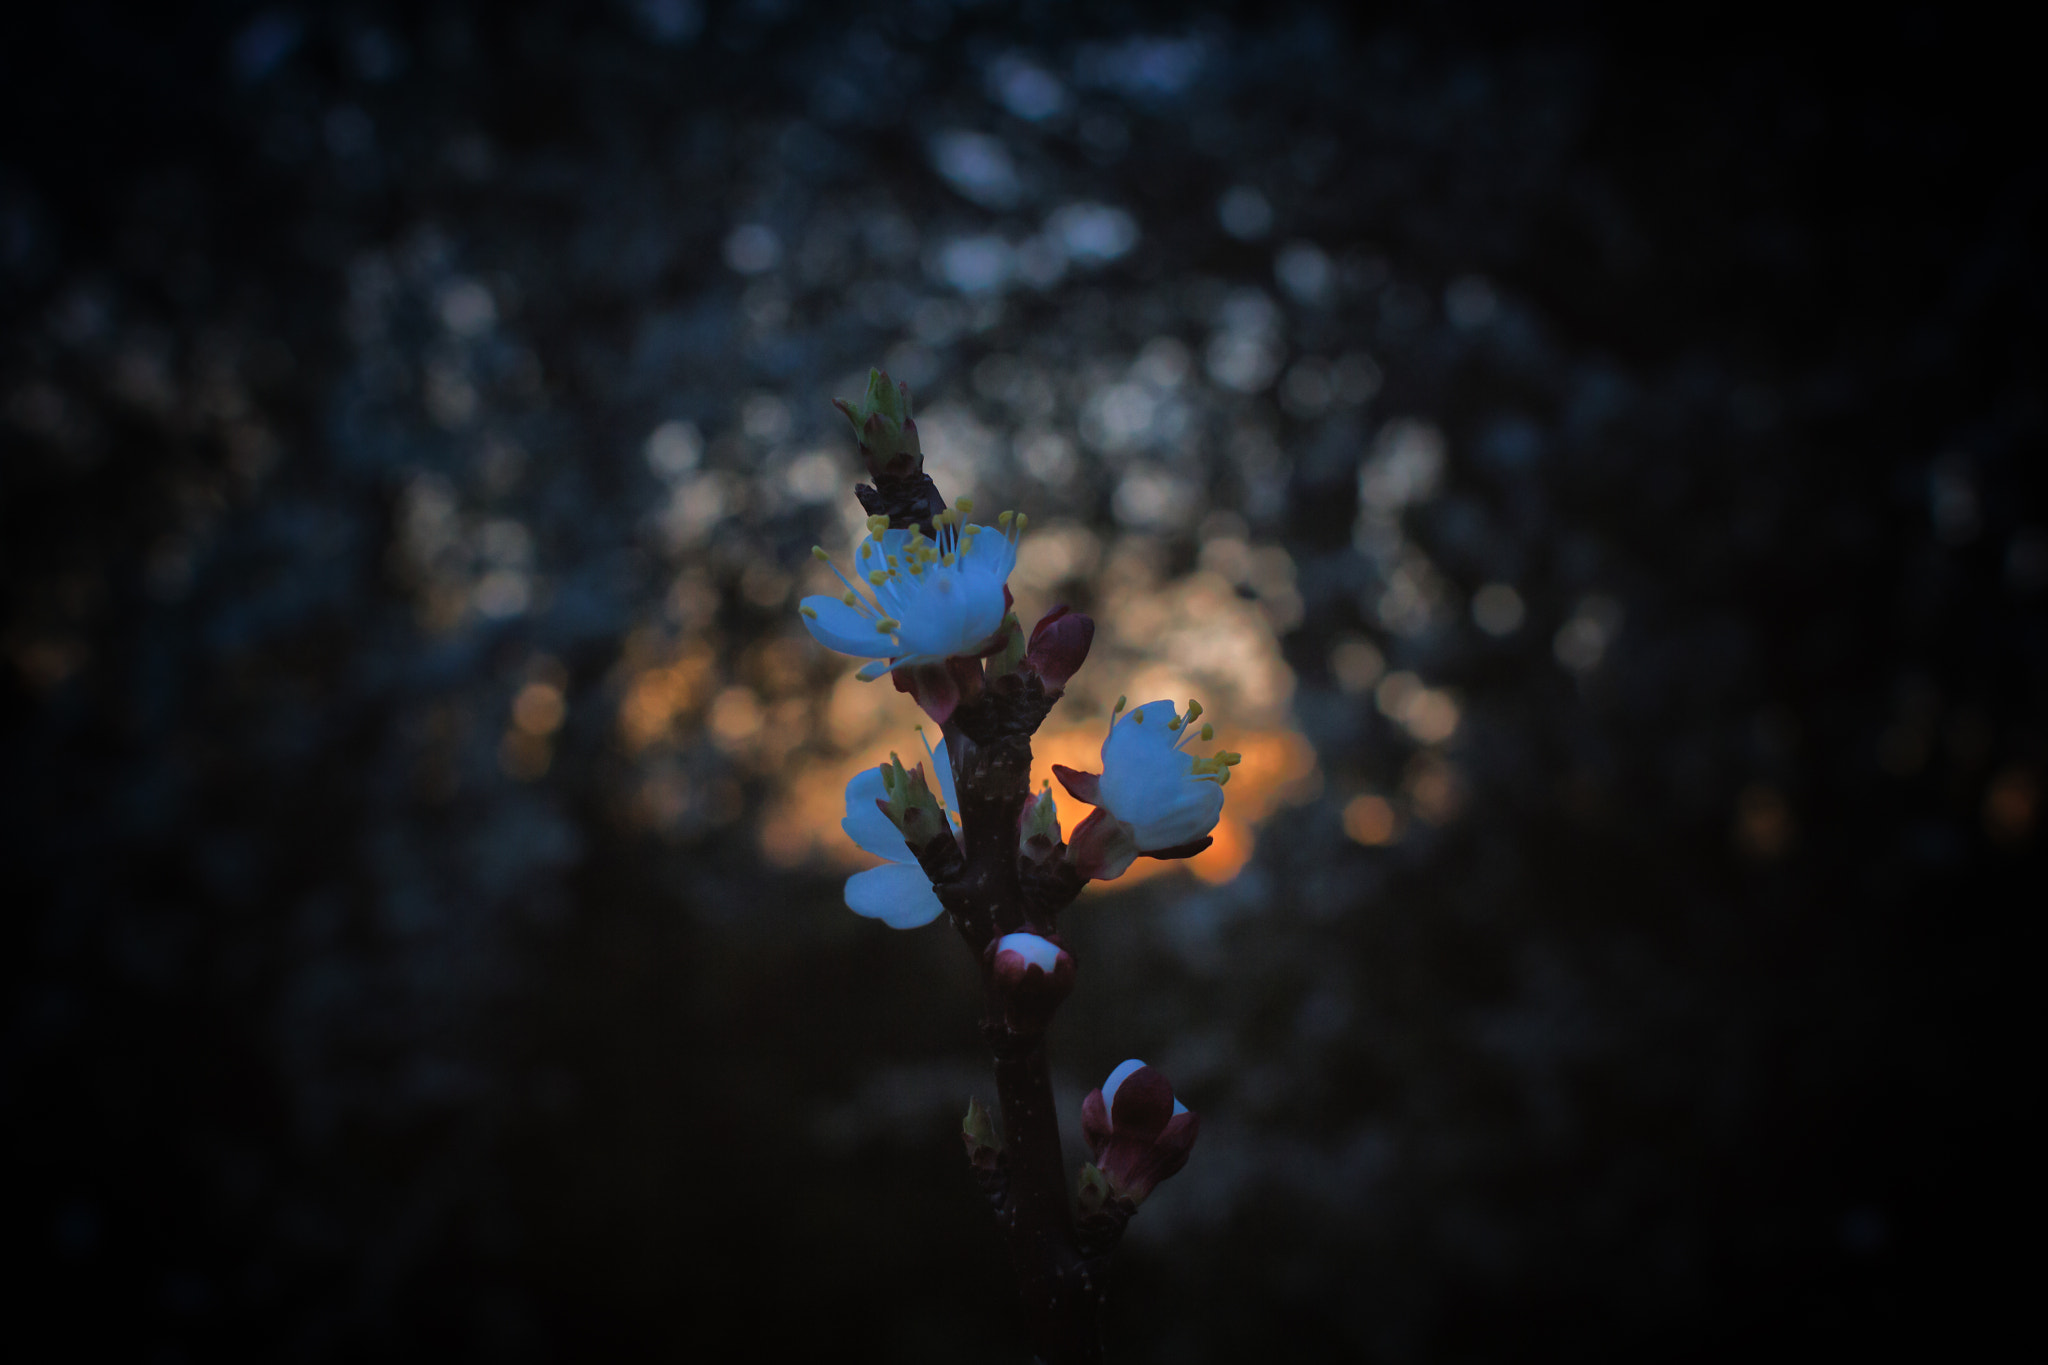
(1003, 520)
(966, 506)
(877, 524)
(886, 624)
(878, 578)
(1208, 732)
(853, 598)
(818, 553)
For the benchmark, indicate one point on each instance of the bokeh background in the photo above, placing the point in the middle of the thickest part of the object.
(1585, 470)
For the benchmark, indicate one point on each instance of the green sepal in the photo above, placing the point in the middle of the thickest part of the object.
(978, 1131)
(1005, 660)
(1095, 1189)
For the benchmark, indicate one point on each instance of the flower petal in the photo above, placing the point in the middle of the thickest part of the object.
(866, 825)
(944, 763)
(990, 552)
(896, 894)
(1116, 1079)
(1193, 811)
(835, 625)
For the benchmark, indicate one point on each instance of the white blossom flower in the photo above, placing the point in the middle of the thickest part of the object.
(925, 600)
(1163, 795)
(896, 893)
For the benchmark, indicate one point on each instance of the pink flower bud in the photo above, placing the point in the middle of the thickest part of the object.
(1140, 1134)
(1032, 974)
(1059, 645)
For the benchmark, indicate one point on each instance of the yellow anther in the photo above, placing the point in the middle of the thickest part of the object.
(850, 600)
(1208, 732)
(1003, 520)
(894, 562)
(1121, 702)
(1138, 716)
(1175, 723)
(811, 612)
(818, 553)
(878, 578)
(885, 625)
(1022, 522)
(1194, 709)
(947, 560)
(877, 524)
(967, 507)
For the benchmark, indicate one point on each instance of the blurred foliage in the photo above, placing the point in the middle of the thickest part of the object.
(1589, 488)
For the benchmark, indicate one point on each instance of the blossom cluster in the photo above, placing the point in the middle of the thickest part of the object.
(927, 603)
(929, 609)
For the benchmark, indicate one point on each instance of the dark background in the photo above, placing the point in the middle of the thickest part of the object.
(1678, 1012)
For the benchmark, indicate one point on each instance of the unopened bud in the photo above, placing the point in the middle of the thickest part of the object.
(910, 805)
(1140, 1134)
(978, 1131)
(881, 423)
(1032, 975)
(1059, 645)
(1038, 827)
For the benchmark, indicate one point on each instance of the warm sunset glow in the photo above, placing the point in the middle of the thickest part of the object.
(658, 693)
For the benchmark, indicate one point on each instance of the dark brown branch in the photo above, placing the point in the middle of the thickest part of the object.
(905, 499)
(1062, 1288)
